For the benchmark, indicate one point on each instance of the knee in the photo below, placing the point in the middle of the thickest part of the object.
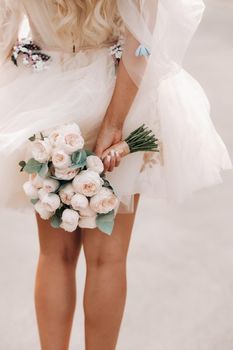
(66, 256)
(108, 260)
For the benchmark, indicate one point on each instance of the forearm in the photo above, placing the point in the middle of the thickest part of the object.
(122, 99)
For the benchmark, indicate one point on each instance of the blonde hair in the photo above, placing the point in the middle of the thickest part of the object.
(90, 22)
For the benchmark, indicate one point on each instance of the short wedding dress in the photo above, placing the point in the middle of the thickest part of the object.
(77, 83)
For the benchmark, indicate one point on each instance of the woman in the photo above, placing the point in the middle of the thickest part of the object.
(82, 82)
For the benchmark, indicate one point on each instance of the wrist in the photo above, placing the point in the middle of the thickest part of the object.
(114, 119)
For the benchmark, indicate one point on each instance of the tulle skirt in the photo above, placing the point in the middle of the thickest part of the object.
(78, 87)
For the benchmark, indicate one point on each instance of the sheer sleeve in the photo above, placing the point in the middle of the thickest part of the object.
(11, 15)
(139, 17)
(169, 100)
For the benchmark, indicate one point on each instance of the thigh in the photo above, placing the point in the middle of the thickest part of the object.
(57, 242)
(101, 248)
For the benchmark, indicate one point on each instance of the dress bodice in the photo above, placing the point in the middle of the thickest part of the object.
(40, 15)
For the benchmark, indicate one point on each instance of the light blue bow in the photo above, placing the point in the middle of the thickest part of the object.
(142, 50)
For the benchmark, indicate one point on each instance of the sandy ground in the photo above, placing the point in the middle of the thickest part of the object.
(180, 284)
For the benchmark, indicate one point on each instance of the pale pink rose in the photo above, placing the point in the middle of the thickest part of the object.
(87, 212)
(50, 185)
(60, 159)
(51, 202)
(79, 201)
(36, 180)
(87, 222)
(95, 163)
(44, 214)
(66, 174)
(72, 138)
(104, 201)
(41, 150)
(70, 219)
(88, 183)
(66, 193)
(30, 190)
(55, 138)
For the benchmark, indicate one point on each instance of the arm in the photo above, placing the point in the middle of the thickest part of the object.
(111, 128)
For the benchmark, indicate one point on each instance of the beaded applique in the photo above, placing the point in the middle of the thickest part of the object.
(31, 55)
(116, 51)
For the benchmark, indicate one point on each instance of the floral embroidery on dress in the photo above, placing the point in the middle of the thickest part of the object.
(143, 51)
(31, 55)
(150, 159)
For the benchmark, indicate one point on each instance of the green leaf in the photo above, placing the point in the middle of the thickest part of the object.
(55, 221)
(34, 201)
(41, 136)
(33, 166)
(105, 222)
(78, 159)
(89, 153)
(44, 170)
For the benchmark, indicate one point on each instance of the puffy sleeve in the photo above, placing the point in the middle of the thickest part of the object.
(11, 15)
(169, 100)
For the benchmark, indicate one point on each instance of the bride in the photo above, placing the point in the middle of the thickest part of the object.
(109, 66)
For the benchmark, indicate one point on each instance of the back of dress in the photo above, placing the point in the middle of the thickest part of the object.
(44, 25)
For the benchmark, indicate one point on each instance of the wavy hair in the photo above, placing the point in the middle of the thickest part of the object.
(91, 22)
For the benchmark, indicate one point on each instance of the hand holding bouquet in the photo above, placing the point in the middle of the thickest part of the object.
(67, 184)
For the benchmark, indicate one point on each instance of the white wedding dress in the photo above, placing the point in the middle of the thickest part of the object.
(78, 87)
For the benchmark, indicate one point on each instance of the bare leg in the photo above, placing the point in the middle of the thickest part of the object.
(106, 285)
(55, 287)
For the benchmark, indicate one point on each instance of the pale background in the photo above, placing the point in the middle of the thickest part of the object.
(180, 267)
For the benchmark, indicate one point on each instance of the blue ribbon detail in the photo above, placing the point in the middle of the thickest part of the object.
(142, 51)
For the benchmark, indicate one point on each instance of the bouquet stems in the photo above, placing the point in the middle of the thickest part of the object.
(141, 139)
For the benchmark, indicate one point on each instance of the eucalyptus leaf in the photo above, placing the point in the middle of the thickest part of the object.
(89, 153)
(33, 166)
(105, 222)
(44, 170)
(55, 221)
(78, 159)
(34, 201)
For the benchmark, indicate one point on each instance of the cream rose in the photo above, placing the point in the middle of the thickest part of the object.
(55, 138)
(50, 185)
(104, 201)
(41, 150)
(30, 190)
(95, 163)
(42, 193)
(36, 180)
(66, 174)
(66, 193)
(44, 214)
(70, 220)
(51, 202)
(60, 159)
(87, 212)
(87, 222)
(88, 183)
(72, 139)
(79, 201)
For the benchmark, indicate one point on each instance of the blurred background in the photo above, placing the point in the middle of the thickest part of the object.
(180, 264)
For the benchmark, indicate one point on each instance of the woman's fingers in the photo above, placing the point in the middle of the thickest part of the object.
(112, 160)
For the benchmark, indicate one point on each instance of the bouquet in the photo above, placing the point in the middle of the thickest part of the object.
(67, 184)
